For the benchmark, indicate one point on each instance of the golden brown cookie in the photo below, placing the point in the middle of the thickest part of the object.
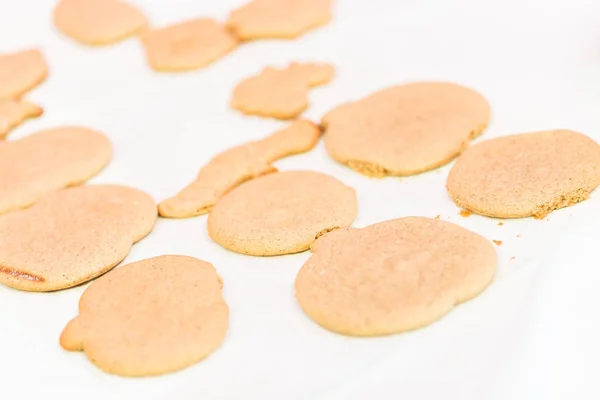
(281, 213)
(405, 129)
(72, 235)
(187, 45)
(20, 72)
(525, 175)
(236, 165)
(15, 112)
(283, 19)
(49, 160)
(150, 317)
(280, 93)
(393, 276)
(98, 22)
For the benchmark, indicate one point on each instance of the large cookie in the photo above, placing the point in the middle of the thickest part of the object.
(405, 129)
(20, 72)
(237, 165)
(393, 276)
(525, 175)
(48, 160)
(150, 317)
(72, 235)
(281, 213)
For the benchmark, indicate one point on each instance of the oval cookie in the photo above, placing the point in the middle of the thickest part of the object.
(525, 175)
(48, 160)
(393, 276)
(405, 129)
(281, 213)
(72, 235)
(20, 72)
(98, 22)
(150, 317)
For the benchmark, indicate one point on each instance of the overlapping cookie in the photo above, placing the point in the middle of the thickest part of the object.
(405, 129)
(15, 112)
(72, 235)
(237, 165)
(393, 276)
(524, 175)
(150, 317)
(49, 160)
(20, 72)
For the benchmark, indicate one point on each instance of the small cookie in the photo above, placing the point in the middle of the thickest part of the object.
(406, 129)
(281, 213)
(393, 276)
(280, 19)
(49, 160)
(237, 165)
(525, 175)
(187, 45)
(98, 22)
(72, 235)
(20, 72)
(15, 112)
(280, 93)
(150, 317)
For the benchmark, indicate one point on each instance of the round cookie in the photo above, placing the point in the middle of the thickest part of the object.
(20, 72)
(393, 276)
(150, 317)
(523, 175)
(405, 129)
(281, 213)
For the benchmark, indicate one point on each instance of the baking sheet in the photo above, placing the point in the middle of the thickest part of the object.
(531, 335)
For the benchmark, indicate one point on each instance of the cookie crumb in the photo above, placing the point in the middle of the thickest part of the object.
(497, 242)
(519, 235)
(512, 258)
(437, 216)
(500, 223)
(465, 213)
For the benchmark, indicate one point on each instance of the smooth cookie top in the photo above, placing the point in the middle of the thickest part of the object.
(20, 72)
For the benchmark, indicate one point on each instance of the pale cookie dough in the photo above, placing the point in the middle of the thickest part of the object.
(393, 276)
(525, 175)
(98, 22)
(280, 93)
(187, 45)
(237, 165)
(280, 19)
(15, 112)
(150, 317)
(72, 235)
(405, 129)
(49, 160)
(20, 72)
(281, 213)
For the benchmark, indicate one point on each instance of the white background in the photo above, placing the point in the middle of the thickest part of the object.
(532, 335)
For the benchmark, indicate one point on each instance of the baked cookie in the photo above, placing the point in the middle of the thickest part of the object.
(20, 72)
(236, 165)
(150, 317)
(72, 235)
(49, 160)
(187, 45)
(281, 213)
(525, 175)
(98, 22)
(15, 112)
(282, 19)
(280, 93)
(405, 129)
(393, 276)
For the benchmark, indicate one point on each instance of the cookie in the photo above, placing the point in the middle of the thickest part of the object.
(280, 93)
(98, 22)
(15, 112)
(150, 317)
(406, 129)
(237, 165)
(281, 213)
(524, 175)
(72, 235)
(280, 19)
(393, 276)
(187, 45)
(20, 72)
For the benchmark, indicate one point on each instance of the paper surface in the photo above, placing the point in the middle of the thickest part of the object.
(531, 335)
